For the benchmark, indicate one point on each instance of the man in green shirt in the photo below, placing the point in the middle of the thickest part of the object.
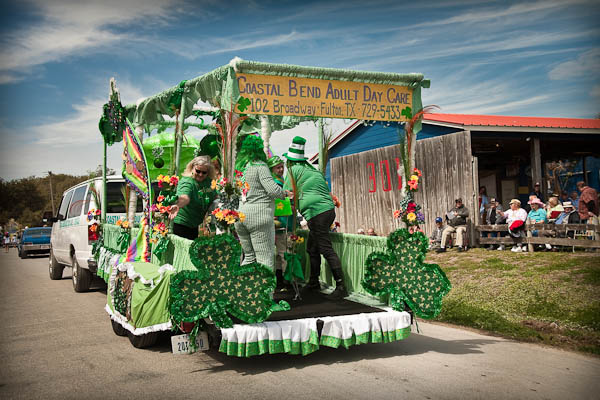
(316, 206)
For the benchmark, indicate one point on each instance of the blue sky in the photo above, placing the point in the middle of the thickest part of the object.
(535, 58)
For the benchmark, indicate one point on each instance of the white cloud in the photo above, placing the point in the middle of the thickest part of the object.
(70, 145)
(69, 27)
(587, 63)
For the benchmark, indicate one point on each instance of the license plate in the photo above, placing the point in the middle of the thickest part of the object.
(180, 344)
(44, 247)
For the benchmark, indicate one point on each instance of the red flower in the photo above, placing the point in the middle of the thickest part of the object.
(160, 199)
(174, 181)
(397, 214)
(238, 174)
(417, 172)
(413, 185)
(411, 207)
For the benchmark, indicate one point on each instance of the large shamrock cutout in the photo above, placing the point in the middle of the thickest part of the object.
(401, 273)
(220, 285)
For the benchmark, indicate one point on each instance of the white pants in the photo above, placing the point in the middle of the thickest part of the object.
(460, 234)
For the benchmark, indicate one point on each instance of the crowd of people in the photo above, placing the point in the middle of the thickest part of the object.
(566, 209)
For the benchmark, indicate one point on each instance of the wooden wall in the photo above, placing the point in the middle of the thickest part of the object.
(368, 184)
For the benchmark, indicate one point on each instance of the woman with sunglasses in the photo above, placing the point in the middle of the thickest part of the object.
(194, 197)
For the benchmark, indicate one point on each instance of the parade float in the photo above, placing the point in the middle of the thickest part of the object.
(158, 281)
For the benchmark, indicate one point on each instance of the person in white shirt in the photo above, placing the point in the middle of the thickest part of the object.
(515, 218)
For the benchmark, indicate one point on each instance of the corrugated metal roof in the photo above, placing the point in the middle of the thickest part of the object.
(502, 120)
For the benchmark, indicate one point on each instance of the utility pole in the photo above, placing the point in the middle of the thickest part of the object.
(51, 193)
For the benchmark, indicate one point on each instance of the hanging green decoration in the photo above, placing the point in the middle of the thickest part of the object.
(401, 273)
(174, 102)
(220, 285)
(112, 123)
(157, 153)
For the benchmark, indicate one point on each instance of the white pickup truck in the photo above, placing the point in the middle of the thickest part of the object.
(72, 235)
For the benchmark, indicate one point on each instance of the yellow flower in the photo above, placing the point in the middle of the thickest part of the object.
(240, 184)
(213, 184)
(230, 219)
(219, 215)
(300, 240)
(414, 178)
(160, 177)
(280, 206)
(411, 217)
(242, 216)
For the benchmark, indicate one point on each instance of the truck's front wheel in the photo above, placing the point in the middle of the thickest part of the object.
(54, 268)
(82, 278)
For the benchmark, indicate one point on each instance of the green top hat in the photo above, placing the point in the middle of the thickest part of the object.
(296, 150)
(273, 161)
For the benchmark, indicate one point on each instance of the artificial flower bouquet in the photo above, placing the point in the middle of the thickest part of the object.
(125, 235)
(410, 212)
(224, 218)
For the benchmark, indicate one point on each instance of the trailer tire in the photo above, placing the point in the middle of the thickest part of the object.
(81, 277)
(143, 341)
(55, 269)
(118, 328)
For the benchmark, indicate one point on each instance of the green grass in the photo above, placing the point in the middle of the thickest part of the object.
(552, 298)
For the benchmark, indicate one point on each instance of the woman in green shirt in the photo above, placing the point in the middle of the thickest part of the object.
(316, 205)
(194, 197)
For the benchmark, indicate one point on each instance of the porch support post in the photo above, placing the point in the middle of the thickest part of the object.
(536, 164)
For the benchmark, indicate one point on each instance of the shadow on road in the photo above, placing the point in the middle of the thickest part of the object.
(414, 345)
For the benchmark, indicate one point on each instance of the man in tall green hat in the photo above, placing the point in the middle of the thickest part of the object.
(315, 203)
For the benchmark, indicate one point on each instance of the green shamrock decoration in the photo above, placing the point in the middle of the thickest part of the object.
(401, 273)
(407, 112)
(243, 103)
(220, 285)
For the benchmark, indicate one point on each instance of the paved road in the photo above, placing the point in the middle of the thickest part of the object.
(55, 343)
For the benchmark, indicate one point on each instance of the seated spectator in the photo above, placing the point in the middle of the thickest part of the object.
(588, 202)
(537, 215)
(568, 216)
(553, 208)
(360, 231)
(574, 199)
(371, 232)
(457, 222)
(493, 218)
(435, 239)
(515, 218)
